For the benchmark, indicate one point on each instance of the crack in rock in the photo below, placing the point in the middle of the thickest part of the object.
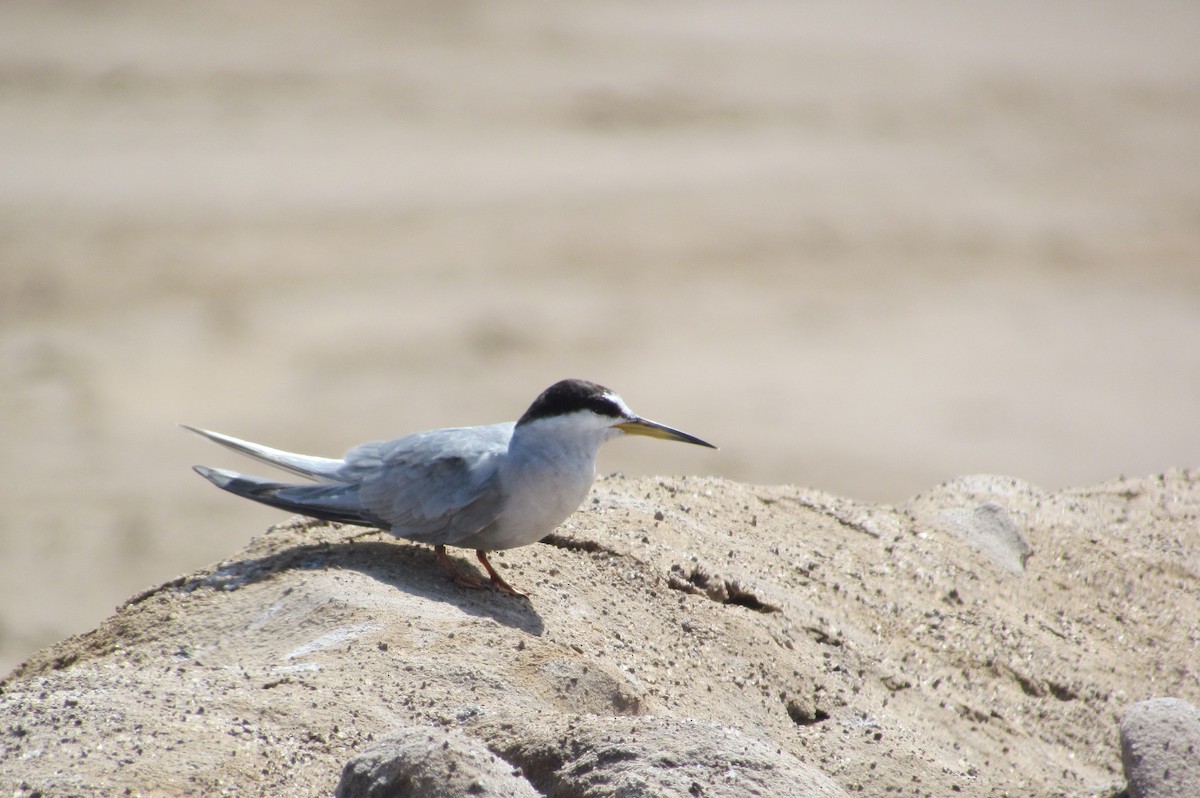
(716, 588)
(577, 544)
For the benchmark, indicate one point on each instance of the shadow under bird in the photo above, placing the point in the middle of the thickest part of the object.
(485, 488)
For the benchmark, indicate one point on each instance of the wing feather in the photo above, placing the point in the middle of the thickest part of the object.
(433, 487)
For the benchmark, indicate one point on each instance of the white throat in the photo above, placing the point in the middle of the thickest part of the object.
(568, 439)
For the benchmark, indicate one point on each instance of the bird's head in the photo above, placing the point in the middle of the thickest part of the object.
(590, 409)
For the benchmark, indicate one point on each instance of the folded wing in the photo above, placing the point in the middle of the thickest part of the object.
(434, 487)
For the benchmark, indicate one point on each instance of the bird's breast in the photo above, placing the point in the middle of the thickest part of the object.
(539, 495)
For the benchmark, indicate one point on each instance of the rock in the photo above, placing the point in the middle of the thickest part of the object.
(428, 762)
(653, 757)
(977, 510)
(991, 530)
(1160, 748)
(847, 644)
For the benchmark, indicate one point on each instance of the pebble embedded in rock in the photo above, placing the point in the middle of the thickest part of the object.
(428, 762)
(1160, 748)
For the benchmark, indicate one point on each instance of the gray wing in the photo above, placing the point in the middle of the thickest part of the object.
(434, 487)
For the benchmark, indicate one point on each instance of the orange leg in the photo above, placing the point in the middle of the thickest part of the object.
(459, 578)
(497, 580)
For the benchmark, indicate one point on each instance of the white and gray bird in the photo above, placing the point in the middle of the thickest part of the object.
(486, 488)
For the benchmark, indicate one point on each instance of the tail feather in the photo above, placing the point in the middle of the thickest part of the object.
(303, 465)
(329, 502)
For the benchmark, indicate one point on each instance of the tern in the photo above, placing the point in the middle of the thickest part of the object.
(486, 488)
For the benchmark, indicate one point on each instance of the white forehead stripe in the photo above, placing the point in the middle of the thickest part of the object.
(620, 403)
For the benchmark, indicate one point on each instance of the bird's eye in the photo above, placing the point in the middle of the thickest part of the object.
(604, 406)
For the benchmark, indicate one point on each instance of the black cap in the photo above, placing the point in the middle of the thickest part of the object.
(570, 396)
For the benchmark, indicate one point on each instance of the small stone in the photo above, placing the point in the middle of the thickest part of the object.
(432, 763)
(1160, 748)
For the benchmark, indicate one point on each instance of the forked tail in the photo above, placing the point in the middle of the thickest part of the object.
(302, 465)
(327, 501)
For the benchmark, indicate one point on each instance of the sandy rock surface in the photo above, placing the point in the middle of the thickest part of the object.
(694, 636)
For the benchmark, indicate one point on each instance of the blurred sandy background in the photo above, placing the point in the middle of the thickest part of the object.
(863, 247)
